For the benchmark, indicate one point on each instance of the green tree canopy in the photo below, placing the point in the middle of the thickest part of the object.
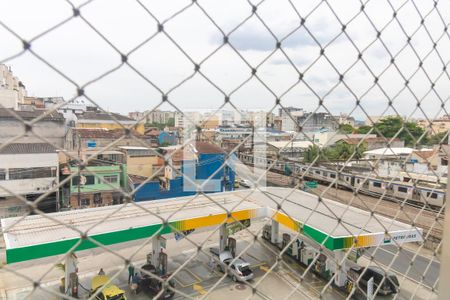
(409, 131)
(364, 129)
(438, 138)
(346, 128)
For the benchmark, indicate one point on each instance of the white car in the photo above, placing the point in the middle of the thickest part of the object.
(246, 183)
(238, 270)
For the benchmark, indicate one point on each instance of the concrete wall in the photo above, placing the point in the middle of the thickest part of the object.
(110, 125)
(53, 131)
(27, 186)
(9, 98)
(141, 165)
(106, 199)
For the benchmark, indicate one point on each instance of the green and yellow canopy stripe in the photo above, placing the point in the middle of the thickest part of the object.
(110, 238)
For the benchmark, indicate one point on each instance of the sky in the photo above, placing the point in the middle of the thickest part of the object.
(83, 49)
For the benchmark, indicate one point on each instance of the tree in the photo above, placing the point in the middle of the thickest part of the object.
(311, 153)
(364, 129)
(409, 131)
(346, 128)
(438, 138)
(343, 151)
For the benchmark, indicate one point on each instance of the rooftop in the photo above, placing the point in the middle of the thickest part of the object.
(289, 144)
(30, 115)
(207, 148)
(28, 148)
(425, 154)
(93, 115)
(99, 133)
(36, 236)
(356, 140)
(390, 151)
(134, 148)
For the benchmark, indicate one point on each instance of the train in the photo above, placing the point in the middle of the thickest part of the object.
(432, 195)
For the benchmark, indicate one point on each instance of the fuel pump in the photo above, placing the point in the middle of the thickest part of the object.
(232, 246)
(285, 242)
(163, 263)
(267, 232)
(73, 285)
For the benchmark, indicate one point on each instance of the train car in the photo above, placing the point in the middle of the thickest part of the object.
(433, 198)
(332, 175)
(360, 182)
(348, 178)
(432, 194)
(403, 191)
(377, 186)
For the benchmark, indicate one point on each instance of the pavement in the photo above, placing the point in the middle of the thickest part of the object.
(423, 269)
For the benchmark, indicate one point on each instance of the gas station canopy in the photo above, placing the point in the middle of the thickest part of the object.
(335, 225)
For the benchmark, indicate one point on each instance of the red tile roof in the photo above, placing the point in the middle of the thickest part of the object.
(207, 148)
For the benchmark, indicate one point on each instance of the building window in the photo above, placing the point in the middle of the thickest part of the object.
(432, 195)
(2, 174)
(402, 189)
(97, 199)
(85, 180)
(377, 184)
(30, 173)
(117, 198)
(111, 178)
(85, 202)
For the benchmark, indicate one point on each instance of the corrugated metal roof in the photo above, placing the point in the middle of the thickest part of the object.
(207, 148)
(102, 133)
(90, 115)
(27, 148)
(30, 115)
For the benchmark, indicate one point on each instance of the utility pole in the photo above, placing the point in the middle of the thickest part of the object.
(79, 175)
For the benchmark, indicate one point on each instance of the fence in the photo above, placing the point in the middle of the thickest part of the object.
(206, 64)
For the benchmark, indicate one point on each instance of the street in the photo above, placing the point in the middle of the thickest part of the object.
(401, 263)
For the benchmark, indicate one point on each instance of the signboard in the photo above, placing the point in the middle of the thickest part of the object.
(91, 144)
(234, 227)
(370, 289)
(179, 236)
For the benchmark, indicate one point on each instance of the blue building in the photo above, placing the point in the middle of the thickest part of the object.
(167, 138)
(205, 165)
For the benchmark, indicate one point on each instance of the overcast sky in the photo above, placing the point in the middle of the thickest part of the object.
(81, 54)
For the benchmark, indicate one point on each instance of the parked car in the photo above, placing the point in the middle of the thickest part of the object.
(389, 285)
(246, 183)
(109, 291)
(153, 286)
(238, 270)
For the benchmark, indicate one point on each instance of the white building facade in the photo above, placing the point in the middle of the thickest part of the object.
(12, 91)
